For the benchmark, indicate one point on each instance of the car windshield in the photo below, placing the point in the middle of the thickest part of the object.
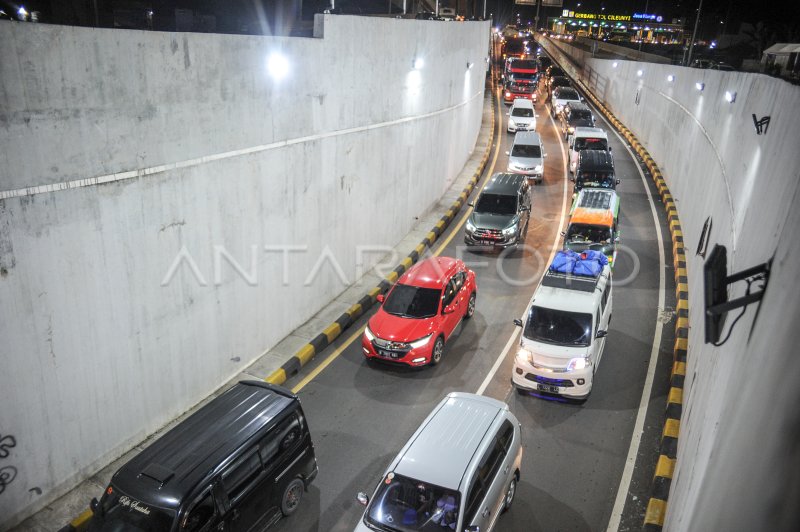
(595, 179)
(559, 82)
(566, 93)
(526, 76)
(407, 505)
(580, 114)
(496, 204)
(526, 150)
(520, 87)
(120, 512)
(558, 327)
(587, 143)
(556, 72)
(589, 233)
(522, 111)
(527, 64)
(412, 301)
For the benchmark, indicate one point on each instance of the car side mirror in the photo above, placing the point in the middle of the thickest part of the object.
(471, 203)
(472, 528)
(544, 155)
(618, 181)
(380, 298)
(609, 148)
(518, 322)
(508, 153)
(563, 233)
(362, 498)
(448, 309)
(93, 505)
(601, 334)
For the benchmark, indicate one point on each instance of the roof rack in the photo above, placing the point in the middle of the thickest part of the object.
(567, 280)
(596, 198)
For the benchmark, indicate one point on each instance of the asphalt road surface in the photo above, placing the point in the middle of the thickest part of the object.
(574, 458)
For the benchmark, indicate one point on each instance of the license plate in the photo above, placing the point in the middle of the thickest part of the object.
(547, 388)
(387, 354)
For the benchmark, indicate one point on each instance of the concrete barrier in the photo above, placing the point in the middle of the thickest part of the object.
(169, 211)
(726, 143)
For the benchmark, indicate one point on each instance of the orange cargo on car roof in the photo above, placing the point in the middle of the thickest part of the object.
(602, 217)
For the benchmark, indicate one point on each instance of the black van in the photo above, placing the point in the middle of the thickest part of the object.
(595, 169)
(238, 463)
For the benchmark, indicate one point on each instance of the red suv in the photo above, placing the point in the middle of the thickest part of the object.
(420, 313)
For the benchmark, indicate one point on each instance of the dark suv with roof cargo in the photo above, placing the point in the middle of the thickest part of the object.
(501, 213)
(238, 463)
(575, 114)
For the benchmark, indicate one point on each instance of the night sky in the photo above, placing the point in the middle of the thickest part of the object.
(716, 14)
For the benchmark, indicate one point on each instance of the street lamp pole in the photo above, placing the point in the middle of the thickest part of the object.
(536, 20)
(694, 34)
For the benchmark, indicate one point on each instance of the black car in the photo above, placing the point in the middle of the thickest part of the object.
(595, 170)
(575, 114)
(238, 463)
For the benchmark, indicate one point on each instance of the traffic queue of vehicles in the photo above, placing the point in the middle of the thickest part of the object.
(245, 459)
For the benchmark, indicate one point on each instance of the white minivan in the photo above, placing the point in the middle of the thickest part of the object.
(564, 334)
(459, 471)
(521, 116)
(585, 138)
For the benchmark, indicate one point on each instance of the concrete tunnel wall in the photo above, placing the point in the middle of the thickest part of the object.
(740, 428)
(185, 142)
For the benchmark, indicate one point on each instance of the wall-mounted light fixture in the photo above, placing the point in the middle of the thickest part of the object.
(671, 78)
(639, 73)
(278, 66)
(417, 63)
(700, 86)
(614, 64)
(730, 96)
(469, 65)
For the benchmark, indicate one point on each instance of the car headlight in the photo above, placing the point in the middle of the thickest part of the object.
(539, 169)
(508, 231)
(571, 129)
(368, 333)
(421, 342)
(511, 123)
(470, 226)
(508, 94)
(523, 355)
(579, 363)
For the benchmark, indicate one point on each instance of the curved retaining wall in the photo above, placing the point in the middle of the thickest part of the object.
(737, 451)
(168, 211)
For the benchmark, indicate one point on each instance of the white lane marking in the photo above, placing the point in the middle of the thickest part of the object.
(142, 172)
(638, 428)
(510, 342)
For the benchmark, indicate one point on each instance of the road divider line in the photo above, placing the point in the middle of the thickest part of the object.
(512, 338)
(638, 427)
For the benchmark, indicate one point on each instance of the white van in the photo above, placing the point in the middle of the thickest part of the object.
(521, 116)
(585, 138)
(459, 471)
(564, 335)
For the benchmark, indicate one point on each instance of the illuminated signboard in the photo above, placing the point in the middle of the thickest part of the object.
(567, 13)
(646, 16)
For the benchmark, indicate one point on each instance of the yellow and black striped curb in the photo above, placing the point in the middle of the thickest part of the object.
(79, 524)
(662, 478)
(331, 332)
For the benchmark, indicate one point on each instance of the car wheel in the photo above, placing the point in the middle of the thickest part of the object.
(510, 492)
(291, 497)
(470, 306)
(438, 351)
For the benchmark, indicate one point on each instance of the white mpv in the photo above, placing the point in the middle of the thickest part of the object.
(564, 335)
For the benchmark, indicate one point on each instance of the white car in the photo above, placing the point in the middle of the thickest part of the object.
(585, 138)
(561, 97)
(521, 116)
(564, 334)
